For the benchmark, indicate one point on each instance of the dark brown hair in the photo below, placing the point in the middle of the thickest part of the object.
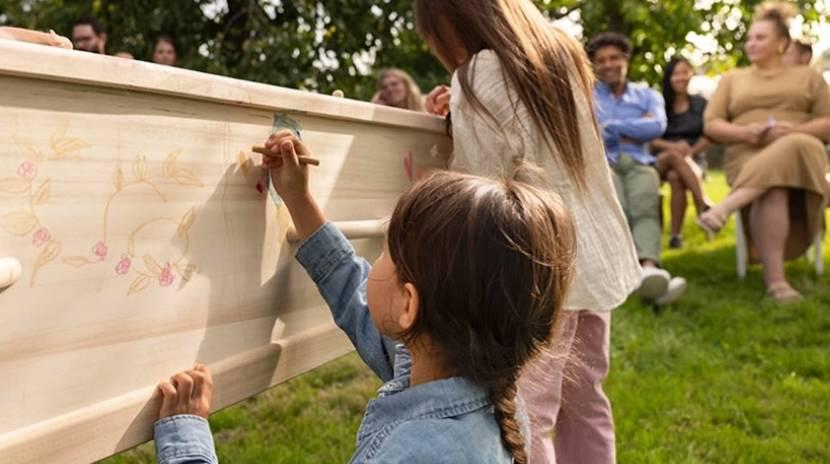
(779, 14)
(609, 39)
(544, 65)
(492, 261)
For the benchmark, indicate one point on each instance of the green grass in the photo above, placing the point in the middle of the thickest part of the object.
(723, 376)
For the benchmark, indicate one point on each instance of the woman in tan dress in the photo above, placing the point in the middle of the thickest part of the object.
(774, 119)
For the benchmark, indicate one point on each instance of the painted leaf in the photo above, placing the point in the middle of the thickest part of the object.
(118, 179)
(77, 261)
(187, 222)
(140, 167)
(152, 265)
(14, 185)
(188, 271)
(19, 223)
(52, 251)
(41, 196)
(67, 147)
(242, 163)
(170, 166)
(139, 284)
(26, 147)
(185, 177)
(55, 139)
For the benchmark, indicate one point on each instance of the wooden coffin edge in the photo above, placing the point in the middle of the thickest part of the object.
(80, 436)
(72, 66)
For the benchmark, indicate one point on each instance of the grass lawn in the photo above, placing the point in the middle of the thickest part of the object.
(720, 377)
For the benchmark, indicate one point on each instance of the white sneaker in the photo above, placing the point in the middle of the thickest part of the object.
(654, 283)
(677, 287)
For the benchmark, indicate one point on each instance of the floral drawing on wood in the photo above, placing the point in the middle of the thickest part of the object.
(146, 269)
(28, 184)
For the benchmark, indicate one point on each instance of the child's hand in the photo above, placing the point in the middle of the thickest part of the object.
(289, 176)
(438, 101)
(187, 392)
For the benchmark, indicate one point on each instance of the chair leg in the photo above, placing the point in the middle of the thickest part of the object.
(741, 251)
(818, 249)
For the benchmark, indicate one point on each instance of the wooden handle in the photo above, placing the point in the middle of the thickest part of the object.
(10, 270)
(353, 230)
(273, 154)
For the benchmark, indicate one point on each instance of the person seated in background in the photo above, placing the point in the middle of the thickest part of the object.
(684, 139)
(89, 35)
(164, 51)
(630, 117)
(42, 38)
(773, 117)
(125, 55)
(396, 88)
(799, 53)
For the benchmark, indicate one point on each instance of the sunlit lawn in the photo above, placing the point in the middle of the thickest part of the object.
(723, 376)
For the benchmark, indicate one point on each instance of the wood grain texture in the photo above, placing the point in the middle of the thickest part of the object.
(127, 192)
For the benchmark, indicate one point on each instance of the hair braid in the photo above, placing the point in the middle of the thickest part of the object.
(503, 396)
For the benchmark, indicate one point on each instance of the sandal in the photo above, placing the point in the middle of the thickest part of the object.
(783, 293)
(711, 223)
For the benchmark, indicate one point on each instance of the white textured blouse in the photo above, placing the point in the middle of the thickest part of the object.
(607, 269)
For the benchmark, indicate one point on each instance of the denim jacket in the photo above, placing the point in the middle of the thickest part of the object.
(444, 421)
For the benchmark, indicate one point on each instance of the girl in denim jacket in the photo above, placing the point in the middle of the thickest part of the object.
(467, 291)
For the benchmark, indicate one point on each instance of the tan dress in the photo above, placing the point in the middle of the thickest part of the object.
(798, 161)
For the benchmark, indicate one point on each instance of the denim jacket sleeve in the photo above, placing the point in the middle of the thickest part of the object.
(330, 261)
(184, 439)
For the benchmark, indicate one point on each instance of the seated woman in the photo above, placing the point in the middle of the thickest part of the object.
(396, 88)
(682, 141)
(774, 118)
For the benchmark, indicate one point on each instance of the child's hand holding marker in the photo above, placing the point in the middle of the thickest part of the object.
(287, 158)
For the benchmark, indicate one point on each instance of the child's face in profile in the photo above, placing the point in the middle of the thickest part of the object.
(392, 304)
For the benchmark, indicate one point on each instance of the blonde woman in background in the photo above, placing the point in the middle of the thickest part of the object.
(397, 89)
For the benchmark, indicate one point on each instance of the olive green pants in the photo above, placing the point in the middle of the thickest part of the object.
(638, 188)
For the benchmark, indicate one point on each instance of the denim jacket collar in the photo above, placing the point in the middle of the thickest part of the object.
(398, 402)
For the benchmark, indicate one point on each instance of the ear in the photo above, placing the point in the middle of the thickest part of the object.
(411, 307)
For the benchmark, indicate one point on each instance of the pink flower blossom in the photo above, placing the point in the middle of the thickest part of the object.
(166, 277)
(27, 170)
(123, 265)
(100, 250)
(41, 236)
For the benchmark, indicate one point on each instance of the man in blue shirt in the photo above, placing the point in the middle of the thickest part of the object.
(631, 116)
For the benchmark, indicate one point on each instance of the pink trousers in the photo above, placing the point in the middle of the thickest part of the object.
(563, 394)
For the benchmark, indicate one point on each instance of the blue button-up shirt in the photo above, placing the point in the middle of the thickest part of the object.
(638, 115)
(449, 420)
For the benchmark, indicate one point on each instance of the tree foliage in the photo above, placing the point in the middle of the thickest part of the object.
(322, 45)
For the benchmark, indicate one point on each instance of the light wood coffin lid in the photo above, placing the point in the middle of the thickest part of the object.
(120, 421)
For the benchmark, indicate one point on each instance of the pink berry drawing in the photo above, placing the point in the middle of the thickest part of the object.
(40, 237)
(123, 265)
(27, 170)
(100, 250)
(166, 277)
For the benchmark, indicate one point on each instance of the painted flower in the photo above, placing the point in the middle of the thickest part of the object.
(123, 265)
(166, 277)
(41, 236)
(100, 250)
(27, 170)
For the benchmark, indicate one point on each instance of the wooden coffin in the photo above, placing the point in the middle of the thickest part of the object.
(128, 195)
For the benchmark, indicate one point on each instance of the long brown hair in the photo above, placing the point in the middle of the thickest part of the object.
(543, 64)
(414, 97)
(492, 261)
